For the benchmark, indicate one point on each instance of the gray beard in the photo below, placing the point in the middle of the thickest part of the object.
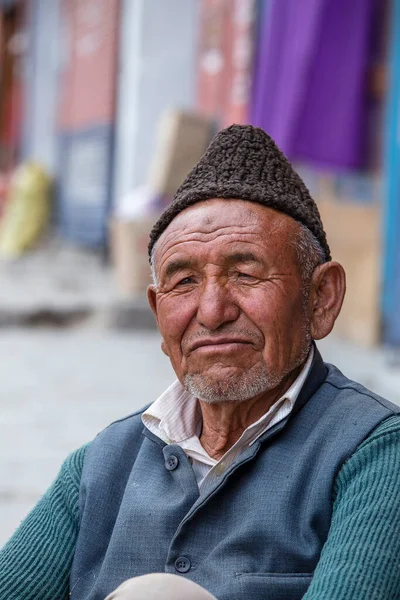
(235, 389)
(242, 387)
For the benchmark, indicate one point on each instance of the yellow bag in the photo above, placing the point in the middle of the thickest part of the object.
(27, 210)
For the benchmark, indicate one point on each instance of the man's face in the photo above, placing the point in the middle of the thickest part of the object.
(230, 301)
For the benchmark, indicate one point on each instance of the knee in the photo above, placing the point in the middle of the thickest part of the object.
(160, 586)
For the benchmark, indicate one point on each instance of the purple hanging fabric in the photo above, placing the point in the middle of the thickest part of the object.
(309, 92)
(287, 45)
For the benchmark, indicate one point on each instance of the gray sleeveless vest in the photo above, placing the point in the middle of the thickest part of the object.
(256, 534)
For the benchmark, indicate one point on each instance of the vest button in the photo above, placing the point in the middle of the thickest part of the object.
(182, 564)
(171, 463)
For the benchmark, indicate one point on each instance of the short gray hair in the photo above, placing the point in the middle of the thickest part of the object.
(309, 251)
(152, 267)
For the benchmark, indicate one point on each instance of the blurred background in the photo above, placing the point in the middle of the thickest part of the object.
(105, 105)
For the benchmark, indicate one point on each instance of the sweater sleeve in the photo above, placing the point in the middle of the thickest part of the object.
(36, 561)
(361, 557)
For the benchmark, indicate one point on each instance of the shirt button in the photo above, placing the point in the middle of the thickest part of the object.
(182, 564)
(171, 463)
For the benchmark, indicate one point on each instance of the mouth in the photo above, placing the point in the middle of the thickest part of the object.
(219, 344)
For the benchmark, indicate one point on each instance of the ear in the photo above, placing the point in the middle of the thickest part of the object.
(328, 287)
(152, 299)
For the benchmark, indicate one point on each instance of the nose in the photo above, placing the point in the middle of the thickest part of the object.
(216, 306)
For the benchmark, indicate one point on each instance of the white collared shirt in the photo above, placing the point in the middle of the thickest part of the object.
(175, 417)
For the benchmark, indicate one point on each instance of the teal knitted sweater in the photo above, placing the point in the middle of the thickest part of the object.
(361, 558)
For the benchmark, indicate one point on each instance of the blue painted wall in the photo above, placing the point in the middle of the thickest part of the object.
(391, 233)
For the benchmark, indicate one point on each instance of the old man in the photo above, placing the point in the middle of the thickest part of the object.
(261, 472)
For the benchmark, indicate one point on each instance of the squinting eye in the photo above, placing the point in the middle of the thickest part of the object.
(245, 276)
(185, 281)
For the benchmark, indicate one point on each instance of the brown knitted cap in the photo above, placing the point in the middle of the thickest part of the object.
(243, 162)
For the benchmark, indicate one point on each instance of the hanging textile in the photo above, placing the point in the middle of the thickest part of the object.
(309, 92)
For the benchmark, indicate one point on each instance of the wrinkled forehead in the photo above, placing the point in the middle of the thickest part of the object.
(228, 220)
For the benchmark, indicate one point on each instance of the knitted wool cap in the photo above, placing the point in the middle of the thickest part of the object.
(243, 162)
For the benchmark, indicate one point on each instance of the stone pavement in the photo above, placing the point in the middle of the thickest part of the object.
(60, 387)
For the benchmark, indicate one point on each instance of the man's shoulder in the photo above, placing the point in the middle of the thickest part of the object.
(132, 420)
(121, 435)
(127, 429)
(115, 448)
(355, 391)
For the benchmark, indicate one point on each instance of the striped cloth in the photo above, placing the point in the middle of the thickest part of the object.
(175, 417)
